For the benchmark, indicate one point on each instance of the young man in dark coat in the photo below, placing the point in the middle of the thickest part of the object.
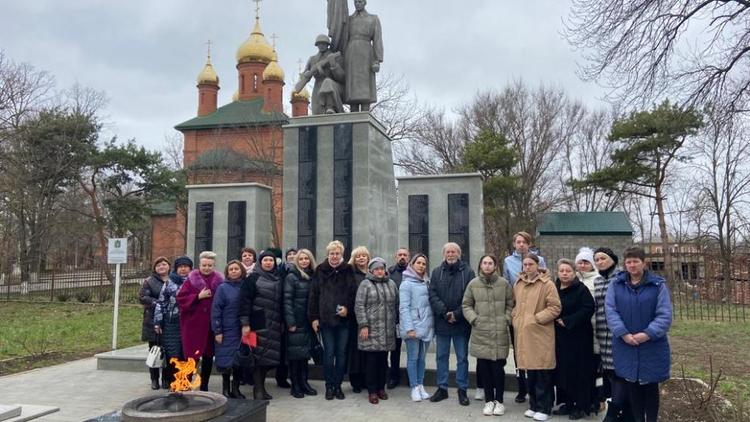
(332, 297)
(396, 274)
(447, 285)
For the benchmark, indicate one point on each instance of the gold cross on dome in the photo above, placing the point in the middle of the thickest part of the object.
(274, 37)
(208, 44)
(257, 8)
(299, 64)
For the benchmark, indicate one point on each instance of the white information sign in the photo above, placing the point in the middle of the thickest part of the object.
(117, 251)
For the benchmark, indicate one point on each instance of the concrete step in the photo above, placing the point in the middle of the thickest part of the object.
(133, 359)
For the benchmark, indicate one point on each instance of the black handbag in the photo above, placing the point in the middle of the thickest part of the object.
(243, 357)
(316, 349)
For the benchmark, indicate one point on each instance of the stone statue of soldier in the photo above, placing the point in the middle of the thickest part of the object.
(328, 70)
(362, 57)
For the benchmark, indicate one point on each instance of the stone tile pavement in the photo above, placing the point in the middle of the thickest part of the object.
(81, 391)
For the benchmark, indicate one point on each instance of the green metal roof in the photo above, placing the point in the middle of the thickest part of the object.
(591, 223)
(227, 159)
(236, 114)
(163, 208)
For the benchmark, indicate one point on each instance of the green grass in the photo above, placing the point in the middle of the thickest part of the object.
(33, 335)
(695, 344)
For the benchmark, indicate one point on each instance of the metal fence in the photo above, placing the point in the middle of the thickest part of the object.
(699, 286)
(90, 285)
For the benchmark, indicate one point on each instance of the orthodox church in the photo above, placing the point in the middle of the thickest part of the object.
(239, 142)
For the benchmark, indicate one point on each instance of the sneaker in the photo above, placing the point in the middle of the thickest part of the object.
(499, 409)
(489, 408)
(539, 416)
(529, 413)
(479, 395)
(425, 395)
(416, 395)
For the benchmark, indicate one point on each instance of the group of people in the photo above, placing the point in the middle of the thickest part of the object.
(586, 334)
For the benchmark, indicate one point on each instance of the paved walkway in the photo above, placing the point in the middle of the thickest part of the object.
(81, 391)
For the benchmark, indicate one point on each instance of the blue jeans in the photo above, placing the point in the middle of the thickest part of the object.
(334, 351)
(416, 350)
(461, 347)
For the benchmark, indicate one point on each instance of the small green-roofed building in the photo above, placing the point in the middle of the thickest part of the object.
(562, 234)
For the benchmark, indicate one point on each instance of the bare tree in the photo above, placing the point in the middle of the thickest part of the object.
(23, 91)
(397, 108)
(585, 152)
(433, 148)
(723, 155)
(694, 50)
(536, 121)
(174, 145)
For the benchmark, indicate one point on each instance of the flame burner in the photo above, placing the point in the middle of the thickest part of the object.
(195, 406)
(176, 402)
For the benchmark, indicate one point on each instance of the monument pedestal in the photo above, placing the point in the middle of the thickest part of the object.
(339, 184)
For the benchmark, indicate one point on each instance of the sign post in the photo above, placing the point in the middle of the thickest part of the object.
(117, 253)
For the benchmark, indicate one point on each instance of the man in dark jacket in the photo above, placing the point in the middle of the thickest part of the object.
(395, 273)
(447, 285)
(332, 295)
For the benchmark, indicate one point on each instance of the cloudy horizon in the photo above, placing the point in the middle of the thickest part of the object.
(145, 55)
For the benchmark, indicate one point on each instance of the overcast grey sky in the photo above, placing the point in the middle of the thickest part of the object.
(146, 54)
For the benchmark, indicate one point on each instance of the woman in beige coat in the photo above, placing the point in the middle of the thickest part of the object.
(487, 303)
(537, 306)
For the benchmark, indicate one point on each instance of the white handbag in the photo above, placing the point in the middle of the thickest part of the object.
(155, 358)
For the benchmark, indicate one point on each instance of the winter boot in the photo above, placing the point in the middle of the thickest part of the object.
(225, 389)
(259, 384)
(296, 376)
(207, 365)
(306, 387)
(154, 372)
(236, 375)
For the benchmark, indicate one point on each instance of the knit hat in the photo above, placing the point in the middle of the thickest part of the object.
(585, 254)
(183, 260)
(264, 254)
(375, 263)
(290, 250)
(609, 252)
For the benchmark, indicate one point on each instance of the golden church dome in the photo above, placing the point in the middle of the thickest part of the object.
(273, 71)
(303, 95)
(255, 48)
(208, 75)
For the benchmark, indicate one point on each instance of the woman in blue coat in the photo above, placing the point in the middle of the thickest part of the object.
(225, 323)
(416, 322)
(639, 313)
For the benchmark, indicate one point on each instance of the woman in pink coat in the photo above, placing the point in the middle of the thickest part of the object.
(195, 299)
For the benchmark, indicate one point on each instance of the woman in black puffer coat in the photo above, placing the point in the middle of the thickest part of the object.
(262, 290)
(148, 296)
(299, 331)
